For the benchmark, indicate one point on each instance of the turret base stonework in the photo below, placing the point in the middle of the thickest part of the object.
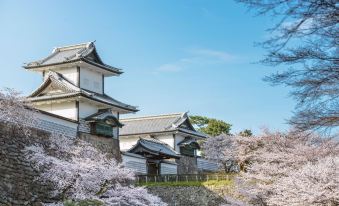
(105, 144)
(18, 184)
(187, 165)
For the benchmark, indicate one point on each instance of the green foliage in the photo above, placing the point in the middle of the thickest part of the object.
(83, 203)
(210, 126)
(246, 133)
(199, 121)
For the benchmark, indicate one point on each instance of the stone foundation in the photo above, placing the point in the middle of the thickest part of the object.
(18, 185)
(187, 196)
(187, 165)
(107, 145)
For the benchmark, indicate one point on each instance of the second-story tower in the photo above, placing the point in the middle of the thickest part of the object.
(74, 87)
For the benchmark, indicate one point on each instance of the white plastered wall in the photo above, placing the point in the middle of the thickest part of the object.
(64, 109)
(168, 139)
(91, 80)
(128, 142)
(178, 139)
(86, 109)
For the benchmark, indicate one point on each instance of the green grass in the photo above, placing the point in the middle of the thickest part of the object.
(189, 183)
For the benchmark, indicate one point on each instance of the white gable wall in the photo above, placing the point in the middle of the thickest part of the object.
(168, 139)
(91, 80)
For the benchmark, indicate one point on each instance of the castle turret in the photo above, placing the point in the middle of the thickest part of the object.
(73, 87)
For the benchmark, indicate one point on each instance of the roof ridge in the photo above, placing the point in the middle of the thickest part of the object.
(159, 116)
(72, 46)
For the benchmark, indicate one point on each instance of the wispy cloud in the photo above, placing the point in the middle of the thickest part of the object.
(220, 55)
(194, 57)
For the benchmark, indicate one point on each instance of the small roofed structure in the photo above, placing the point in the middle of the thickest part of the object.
(154, 149)
(173, 130)
(158, 156)
(103, 123)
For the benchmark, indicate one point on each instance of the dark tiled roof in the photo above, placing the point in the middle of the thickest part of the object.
(155, 147)
(80, 52)
(57, 80)
(189, 141)
(158, 124)
(103, 115)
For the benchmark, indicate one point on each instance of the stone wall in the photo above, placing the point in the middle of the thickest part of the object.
(51, 126)
(105, 144)
(187, 165)
(17, 176)
(187, 196)
(52, 123)
(18, 184)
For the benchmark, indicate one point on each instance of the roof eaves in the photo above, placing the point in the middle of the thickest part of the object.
(199, 134)
(92, 97)
(102, 66)
(144, 133)
(175, 154)
(48, 65)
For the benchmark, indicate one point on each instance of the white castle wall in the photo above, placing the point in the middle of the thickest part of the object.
(86, 109)
(64, 109)
(91, 80)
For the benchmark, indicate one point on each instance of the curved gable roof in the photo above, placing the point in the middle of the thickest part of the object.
(57, 80)
(79, 52)
(154, 147)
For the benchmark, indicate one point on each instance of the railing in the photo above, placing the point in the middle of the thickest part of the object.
(181, 178)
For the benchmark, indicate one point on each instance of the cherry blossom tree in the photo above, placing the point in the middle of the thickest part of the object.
(79, 171)
(280, 167)
(222, 149)
(16, 110)
(313, 184)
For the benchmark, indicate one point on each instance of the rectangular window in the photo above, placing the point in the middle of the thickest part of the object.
(102, 129)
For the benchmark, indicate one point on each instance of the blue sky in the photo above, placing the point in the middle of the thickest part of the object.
(196, 56)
